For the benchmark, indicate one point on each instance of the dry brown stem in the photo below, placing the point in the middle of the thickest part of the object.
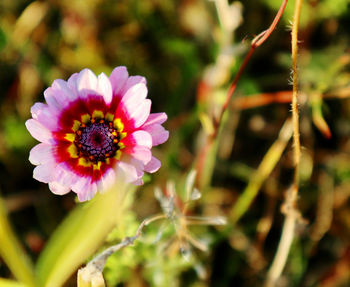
(289, 207)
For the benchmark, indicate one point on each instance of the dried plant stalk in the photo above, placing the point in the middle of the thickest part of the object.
(289, 207)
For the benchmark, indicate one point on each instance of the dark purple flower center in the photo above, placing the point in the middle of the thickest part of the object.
(97, 140)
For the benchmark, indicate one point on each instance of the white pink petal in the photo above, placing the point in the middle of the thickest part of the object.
(118, 78)
(63, 86)
(72, 84)
(58, 188)
(140, 153)
(153, 165)
(38, 131)
(107, 180)
(41, 154)
(139, 114)
(59, 95)
(132, 99)
(45, 115)
(44, 172)
(155, 118)
(85, 189)
(159, 134)
(64, 176)
(132, 81)
(104, 88)
(138, 138)
(129, 169)
(86, 82)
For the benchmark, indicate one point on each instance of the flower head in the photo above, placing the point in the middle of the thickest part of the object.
(92, 130)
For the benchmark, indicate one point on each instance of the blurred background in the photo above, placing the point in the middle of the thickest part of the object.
(189, 51)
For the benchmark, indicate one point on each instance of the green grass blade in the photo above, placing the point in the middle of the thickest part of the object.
(80, 234)
(10, 283)
(265, 168)
(12, 252)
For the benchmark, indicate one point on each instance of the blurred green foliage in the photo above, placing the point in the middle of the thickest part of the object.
(313, 11)
(189, 58)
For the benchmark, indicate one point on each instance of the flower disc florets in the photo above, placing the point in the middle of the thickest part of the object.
(93, 130)
(97, 140)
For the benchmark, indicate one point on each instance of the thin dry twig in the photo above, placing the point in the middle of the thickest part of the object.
(289, 207)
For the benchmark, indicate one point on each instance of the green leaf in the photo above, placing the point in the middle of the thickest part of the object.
(10, 283)
(12, 252)
(78, 237)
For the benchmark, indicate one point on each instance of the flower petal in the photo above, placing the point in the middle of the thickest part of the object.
(45, 115)
(139, 114)
(44, 172)
(84, 188)
(132, 81)
(140, 153)
(155, 118)
(132, 100)
(159, 134)
(86, 82)
(140, 137)
(64, 175)
(38, 131)
(138, 182)
(62, 85)
(59, 95)
(107, 180)
(41, 154)
(129, 170)
(58, 188)
(72, 84)
(104, 88)
(118, 79)
(153, 165)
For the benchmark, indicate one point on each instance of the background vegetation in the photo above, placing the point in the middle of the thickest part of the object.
(189, 51)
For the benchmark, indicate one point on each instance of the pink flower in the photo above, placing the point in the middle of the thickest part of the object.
(93, 130)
